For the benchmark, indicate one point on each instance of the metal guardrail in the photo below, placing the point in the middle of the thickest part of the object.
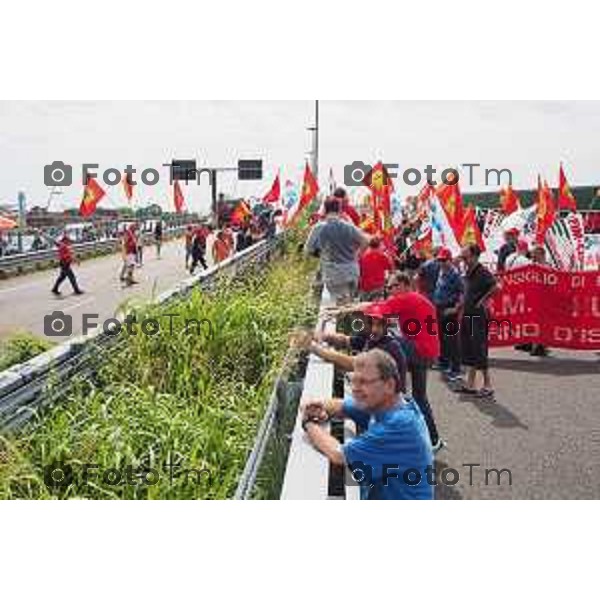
(17, 263)
(27, 387)
(308, 474)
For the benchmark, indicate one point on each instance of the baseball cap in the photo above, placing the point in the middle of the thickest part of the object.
(444, 254)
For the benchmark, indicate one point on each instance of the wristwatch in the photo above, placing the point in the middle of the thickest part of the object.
(309, 420)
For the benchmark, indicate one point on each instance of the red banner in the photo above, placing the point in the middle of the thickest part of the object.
(541, 305)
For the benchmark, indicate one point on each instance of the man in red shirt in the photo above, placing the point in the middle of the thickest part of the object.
(420, 341)
(374, 264)
(65, 259)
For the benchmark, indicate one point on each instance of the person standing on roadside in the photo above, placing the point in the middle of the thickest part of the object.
(337, 243)
(480, 284)
(374, 264)
(158, 237)
(189, 239)
(447, 297)
(131, 252)
(220, 249)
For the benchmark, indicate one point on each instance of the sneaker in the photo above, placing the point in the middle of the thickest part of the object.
(56, 292)
(486, 394)
(79, 292)
(439, 446)
(453, 375)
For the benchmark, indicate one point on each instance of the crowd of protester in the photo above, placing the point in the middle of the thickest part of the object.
(415, 313)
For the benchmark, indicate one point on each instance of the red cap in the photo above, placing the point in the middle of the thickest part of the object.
(512, 231)
(444, 254)
(375, 311)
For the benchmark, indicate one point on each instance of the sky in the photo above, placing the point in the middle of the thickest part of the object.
(526, 137)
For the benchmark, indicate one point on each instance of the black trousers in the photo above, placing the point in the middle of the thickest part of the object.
(418, 368)
(66, 273)
(449, 344)
(198, 258)
(418, 379)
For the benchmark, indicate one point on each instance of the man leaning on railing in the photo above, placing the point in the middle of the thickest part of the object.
(391, 458)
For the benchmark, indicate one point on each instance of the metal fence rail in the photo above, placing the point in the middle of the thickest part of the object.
(27, 387)
(18, 263)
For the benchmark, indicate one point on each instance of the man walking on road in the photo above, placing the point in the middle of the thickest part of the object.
(198, 248)
(65, 257)
(131, 251)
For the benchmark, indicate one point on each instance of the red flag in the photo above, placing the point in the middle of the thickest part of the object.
(240, 213)
(310, 189)
(509, 201)
(274, 193)
(178, 198)
(424, 245)
(566, 200)
(92, 194)
(546, 212)
(128, 186)
(381, 187)
(470, 232)
(423, 200)
(451, 199)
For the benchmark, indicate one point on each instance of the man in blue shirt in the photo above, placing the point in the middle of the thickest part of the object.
(447, 297)
(390, 460)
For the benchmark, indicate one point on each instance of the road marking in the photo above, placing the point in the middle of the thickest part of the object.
(25, 285)
(72, 306)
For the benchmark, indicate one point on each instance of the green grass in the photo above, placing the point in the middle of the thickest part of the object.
(186, 399)
(21, 347)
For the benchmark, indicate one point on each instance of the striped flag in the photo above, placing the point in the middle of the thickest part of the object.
(442, 231)
(559, 246)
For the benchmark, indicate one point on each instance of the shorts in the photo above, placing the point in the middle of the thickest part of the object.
(474, 341)
(341, 293)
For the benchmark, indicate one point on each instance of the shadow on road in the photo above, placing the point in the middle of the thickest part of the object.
(561, 367)
(501, 416)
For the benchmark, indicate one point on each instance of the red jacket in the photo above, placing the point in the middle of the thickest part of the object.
(412, 305)
(373, 264)
(130, 242)
(65, 252)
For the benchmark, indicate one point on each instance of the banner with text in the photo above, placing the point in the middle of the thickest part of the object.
(540, 305)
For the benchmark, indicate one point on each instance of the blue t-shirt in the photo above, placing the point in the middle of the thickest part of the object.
(393, 453)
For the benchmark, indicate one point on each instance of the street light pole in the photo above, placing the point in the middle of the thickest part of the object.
(314, 153)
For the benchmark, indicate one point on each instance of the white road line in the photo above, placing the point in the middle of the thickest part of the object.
(72, 306)
(44, 283)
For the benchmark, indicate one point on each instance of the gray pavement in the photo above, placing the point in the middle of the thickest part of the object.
(25, 300)
(544, 427)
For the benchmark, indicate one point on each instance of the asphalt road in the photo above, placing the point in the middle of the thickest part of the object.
(544, 427)
(26, 300)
